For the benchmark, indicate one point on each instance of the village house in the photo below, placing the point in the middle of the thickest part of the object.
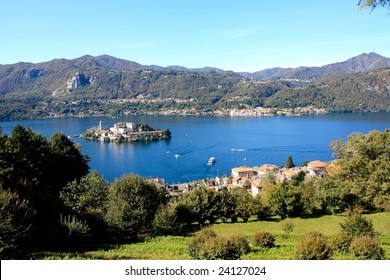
(243, 171)
(256, 187)
(316, 168)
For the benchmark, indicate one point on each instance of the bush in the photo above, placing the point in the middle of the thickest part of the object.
(288, 227)
(70, 230)
(206, 245)
(166, 222)
(313, 246)
(342, 241)
(264, 240)
(16, 218)
(366, 248)
(357, 225)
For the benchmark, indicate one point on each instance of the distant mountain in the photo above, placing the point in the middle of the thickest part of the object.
(204, 69)
(361, 63)
(90, 84)
(353, 92)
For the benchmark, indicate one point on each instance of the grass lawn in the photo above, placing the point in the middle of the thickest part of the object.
(175, 247)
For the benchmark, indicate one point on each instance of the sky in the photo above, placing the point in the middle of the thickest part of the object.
(240, 35)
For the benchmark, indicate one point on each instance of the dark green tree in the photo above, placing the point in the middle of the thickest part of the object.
(66, 161)
(289, 162)
(16, 218)
(89, 195)
(132, 204)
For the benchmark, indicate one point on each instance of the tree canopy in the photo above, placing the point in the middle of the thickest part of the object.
(364, 167)
(373, 4)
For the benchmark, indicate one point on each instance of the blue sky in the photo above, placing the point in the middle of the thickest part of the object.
(240, 35)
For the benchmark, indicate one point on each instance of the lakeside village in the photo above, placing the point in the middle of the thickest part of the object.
(252, 179)
(126, 132)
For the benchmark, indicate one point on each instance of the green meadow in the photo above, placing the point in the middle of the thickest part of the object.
(176, 247)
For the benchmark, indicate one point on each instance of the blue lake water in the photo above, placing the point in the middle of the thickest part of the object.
(233, 141)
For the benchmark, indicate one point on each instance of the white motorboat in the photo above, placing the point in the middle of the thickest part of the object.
(211, 160)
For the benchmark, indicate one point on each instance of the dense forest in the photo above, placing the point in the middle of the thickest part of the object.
(49, 199)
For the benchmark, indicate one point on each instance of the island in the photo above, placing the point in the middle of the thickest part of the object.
(126, 132)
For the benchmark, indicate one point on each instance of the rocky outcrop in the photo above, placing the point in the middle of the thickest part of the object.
(79, 80)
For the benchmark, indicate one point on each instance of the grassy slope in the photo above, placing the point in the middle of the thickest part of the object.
(175, 248)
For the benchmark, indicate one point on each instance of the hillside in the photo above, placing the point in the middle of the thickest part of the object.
(367, 91)
(361, 63)
(108, 85)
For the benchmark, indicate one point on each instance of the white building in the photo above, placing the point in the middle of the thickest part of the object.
(122, 128)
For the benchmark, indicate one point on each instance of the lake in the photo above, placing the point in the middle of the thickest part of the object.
(233, 141)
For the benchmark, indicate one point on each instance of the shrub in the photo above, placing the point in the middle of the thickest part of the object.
(264, 240)
(288, 227)
(238, 245)
(342, 241)
(16, 218)
(206, 245)
(357, 225)
(70, 230)
(166, 222)
(313, 246)
(366, 248)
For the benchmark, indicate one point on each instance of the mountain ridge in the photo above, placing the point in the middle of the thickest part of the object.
(47, 88)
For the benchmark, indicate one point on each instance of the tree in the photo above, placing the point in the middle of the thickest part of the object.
(364, 167)
(244, 203)
(89, 195)
(203, 205)
(15, 224)
(65, 155)
(132, 204)
(286, 201)
(289, 162)
(373, 4)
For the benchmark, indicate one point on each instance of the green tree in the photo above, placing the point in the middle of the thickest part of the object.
(227, 204)
(364, 167)
(203, 205)
(260, 209)
(167, 222)
(286, 201)
(244, 203)
(16, 218)
(66, 161)
(289, 162)
(132, 204)
(89, 195)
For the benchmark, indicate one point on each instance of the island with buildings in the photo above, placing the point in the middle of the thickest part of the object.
(126, 132)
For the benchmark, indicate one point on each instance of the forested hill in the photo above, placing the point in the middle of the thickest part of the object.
(96, 85)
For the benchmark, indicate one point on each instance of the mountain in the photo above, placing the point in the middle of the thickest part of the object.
(361, 63)
(98, 85)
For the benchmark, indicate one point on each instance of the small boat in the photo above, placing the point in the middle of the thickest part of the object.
(177, 155)
(211, 160)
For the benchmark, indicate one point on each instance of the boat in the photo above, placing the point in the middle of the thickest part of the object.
(211, 160)
(177, 155)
